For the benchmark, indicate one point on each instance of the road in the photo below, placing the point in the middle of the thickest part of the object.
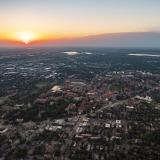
(112, 105)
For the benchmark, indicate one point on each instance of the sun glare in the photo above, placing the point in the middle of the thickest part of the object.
(26, 37)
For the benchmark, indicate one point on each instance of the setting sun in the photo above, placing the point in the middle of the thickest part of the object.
(25, 37)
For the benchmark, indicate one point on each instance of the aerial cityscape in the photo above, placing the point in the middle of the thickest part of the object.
(79, 80)
(79, 104)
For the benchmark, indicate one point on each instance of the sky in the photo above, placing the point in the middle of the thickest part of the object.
(55, 19)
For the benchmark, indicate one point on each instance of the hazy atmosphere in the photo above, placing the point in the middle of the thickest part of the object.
(49, 21)
(80, 80)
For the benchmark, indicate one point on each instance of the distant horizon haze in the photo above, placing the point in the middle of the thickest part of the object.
(126, 39)
(42, 21)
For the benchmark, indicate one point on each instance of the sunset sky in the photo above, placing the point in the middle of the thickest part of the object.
(25, 20)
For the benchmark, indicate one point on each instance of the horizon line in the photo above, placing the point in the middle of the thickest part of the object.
(66, 39)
